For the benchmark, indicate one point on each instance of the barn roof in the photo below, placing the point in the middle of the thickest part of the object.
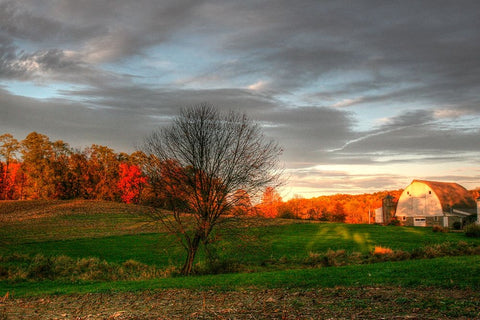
(450, 194)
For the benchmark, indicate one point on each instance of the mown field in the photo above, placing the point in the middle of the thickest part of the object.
(103, 250)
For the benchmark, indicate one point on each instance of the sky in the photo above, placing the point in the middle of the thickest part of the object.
(363, 96)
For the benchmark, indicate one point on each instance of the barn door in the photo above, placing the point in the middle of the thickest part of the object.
(420, 222)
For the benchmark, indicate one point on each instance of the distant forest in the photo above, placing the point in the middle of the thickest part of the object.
(37, 168)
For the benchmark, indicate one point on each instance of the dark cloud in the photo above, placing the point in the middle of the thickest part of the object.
(307, 131)
(118, 117)
(310, 71)
(73, 122)
(33, 21)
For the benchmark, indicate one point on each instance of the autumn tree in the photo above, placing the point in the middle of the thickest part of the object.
(102, 173)
(271, 201)
(242, 203)
(211, 155)
(59, 164)
(37, 151)
(9, 146)
(130, 183)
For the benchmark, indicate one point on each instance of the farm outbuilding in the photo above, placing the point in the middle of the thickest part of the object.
(427, 203)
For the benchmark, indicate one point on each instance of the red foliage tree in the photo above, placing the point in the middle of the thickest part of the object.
(131, 182)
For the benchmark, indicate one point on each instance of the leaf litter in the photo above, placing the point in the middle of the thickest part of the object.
(322, 303)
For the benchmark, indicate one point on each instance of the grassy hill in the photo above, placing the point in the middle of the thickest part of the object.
(62, 246)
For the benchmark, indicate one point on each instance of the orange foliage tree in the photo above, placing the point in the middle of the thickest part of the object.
(271, 201)
(53, 170)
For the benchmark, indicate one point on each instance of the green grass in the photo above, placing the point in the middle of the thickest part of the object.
(117, 233)
(447, 272)
(41, 220)
(291, 242)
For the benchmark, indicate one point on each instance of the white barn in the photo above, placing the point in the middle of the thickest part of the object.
(427, 203)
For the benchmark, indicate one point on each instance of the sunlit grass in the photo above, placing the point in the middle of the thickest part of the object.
(252, 246)
(116, 233)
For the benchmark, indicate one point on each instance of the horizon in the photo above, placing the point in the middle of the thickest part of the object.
(363, 97)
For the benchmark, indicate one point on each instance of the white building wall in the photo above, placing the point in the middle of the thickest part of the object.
(418, 200)
(379, 215)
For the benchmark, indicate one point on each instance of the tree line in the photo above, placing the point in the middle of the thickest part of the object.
(38, 168)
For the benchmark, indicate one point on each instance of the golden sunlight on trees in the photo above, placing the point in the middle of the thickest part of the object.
(9, 146)
(242, 203)
(206, 157)
(271, 201)
(37, 168)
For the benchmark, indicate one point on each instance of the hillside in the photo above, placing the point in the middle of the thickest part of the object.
(118, 232)
(41, 220)
(86, 251)
(11, 211)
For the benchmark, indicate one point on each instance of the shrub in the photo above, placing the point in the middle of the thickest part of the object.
(335, 258)
(21, 267)
(217, 266)
(437, 228)
(457, 225)
(41, 268)
(313, 259)
(394, 222)
(472, 230)
(382, 251)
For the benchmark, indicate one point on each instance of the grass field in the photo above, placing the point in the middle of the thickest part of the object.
(268, 254)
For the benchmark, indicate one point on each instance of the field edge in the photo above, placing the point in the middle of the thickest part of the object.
(447, 272)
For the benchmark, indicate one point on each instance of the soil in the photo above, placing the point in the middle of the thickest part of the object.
(324, 303)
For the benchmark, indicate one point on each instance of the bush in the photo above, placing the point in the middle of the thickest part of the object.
(457, 225)
(438, 228)
(314, 259)
(41, 268)
(472, 230)
(335, 258)
(382, 251)
(22, 267)
(394, 222)
(218, 266)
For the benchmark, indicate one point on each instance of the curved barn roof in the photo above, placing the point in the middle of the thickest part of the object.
(451, 195)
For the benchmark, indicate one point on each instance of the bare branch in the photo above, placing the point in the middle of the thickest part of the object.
(202, 160)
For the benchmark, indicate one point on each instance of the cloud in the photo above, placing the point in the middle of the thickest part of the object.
(306, 132)
(364, 82)
(259, 85)
(111, 115)
(418, 135)
(33, 21)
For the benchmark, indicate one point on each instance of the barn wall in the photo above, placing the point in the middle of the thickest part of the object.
(418, 199)
(430, 221)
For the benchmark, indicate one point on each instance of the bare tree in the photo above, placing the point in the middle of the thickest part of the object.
(203, 158)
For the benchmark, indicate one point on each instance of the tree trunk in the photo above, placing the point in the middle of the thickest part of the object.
(192, 251)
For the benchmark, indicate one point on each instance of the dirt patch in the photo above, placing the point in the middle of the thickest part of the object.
(334, 303)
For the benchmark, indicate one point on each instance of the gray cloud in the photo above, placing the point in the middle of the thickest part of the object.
(415, 136)
(317, 128)
(419, 58)
(118, 117)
